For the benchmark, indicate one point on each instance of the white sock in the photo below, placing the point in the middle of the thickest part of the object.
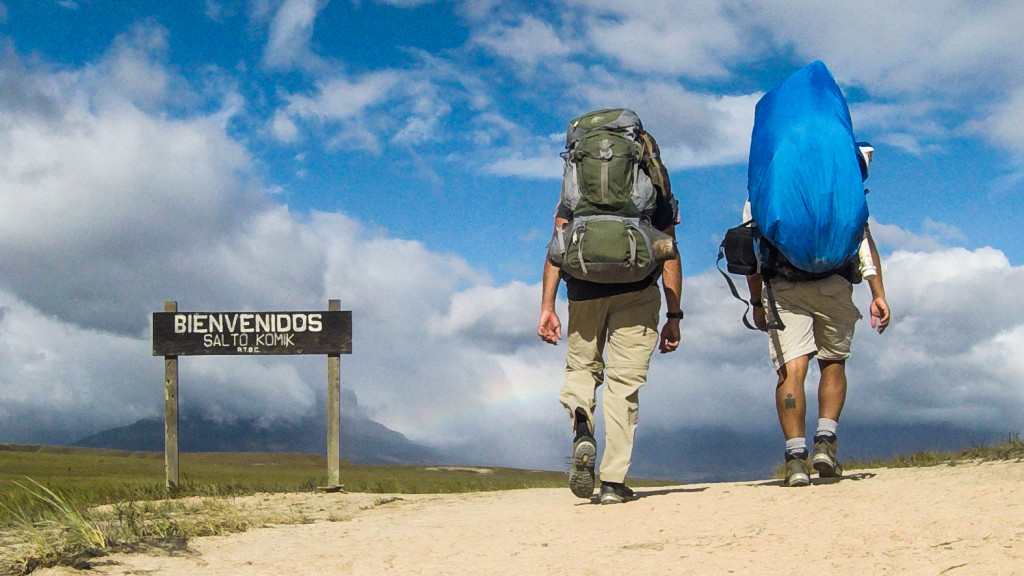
(827, 427)
(795, 445)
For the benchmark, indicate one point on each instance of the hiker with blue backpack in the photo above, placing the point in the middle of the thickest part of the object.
(807, 215)
(614, 237)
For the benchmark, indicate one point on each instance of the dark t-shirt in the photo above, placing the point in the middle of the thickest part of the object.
(664, 217)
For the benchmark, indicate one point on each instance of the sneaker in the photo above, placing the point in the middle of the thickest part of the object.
(581, 476)
(797, 473)
(825, 461)
(615, 493)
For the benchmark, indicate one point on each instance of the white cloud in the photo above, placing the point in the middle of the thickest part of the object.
(896, 48)
(935, 236)
(367, 112)
(529, 42)
(954, 343)
(909, 123)
(51, 370)
(942, 230)
(732, 119)
(344, 104)
(489, 316)
(214, 9)
(133, 70)
(1005, 126)
(283, 128)
(690, 39)
(91, 172)
(290, 32)
(513, 151)
(542, 166)
(344, 98)
(123, 195)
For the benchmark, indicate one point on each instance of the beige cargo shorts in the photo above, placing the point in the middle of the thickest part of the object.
(819, 317)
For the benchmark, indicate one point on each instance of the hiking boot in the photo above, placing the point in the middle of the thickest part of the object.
(797, 473)
(581, 476)
(615, 493)
(825, 461)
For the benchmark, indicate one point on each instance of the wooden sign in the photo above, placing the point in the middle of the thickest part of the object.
(219, 333)
(207, 333)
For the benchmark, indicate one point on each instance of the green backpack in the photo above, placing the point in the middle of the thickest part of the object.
(609, 238)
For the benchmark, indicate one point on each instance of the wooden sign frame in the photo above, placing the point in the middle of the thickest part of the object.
(251, 333)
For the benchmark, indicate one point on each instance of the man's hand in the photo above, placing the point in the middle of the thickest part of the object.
(550, 327)
(669, 336)
(760, 318)
(879, 314)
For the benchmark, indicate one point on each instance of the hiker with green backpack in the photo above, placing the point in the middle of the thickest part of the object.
(807, 218)
(614, 237)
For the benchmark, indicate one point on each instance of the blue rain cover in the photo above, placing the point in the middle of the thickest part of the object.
(806, 191)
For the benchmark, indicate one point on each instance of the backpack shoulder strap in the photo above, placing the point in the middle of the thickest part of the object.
(652, 164)
(775, 322)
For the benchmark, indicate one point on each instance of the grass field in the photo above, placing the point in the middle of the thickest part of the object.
(102, 476)
(1009, 448)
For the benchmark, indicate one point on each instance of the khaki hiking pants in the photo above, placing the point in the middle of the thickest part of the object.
(611, 341)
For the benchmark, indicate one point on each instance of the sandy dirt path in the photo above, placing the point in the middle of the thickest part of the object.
(958, 520)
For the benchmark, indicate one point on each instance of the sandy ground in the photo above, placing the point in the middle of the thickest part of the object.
(958, 520)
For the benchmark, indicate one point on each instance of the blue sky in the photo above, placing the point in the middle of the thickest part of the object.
(402, 156)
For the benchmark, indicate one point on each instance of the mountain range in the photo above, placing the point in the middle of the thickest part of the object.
(684, 455)
(725, 455)
(363, 441)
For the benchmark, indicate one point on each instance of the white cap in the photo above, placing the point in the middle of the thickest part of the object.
(866, 150)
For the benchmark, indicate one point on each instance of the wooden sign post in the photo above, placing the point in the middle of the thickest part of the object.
(171, 412)
(247, 333)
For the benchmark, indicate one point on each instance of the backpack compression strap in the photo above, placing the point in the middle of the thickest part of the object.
(732, 288)
(774, 323)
